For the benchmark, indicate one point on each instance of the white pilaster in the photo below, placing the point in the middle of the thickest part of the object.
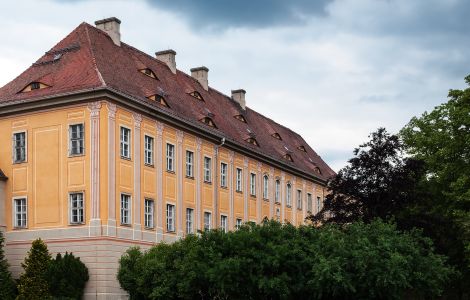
(294, 201)
(230, 179)
(304, 200)
(271, 192)
(159, 169)
(3, 223)
(197, 178)
(215, 188)
(95, 221)
(179, 182)
(283, 197)
(137, 177)
(111, 228)
(246, 189)
(259, 194)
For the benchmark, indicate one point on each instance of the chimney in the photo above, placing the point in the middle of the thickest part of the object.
(112, 27)
(239, 97)
(200, 74)
(168, 57)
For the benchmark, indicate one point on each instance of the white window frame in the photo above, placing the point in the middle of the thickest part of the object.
(189, 163)
(289, 195)
(299, 199)
(309, 202)
(266, 187)
(224, 223)
(124, 143)
(149, 213)
(128, 210)
(277, 191)
(207, 169)
(223, 174)
(253, 184)
(238, 223)
(239, 180)
(170, 217)
(170, 157)
(80, 140)
(25, 147)
(24, 223)
(207, 221)
(78, 208)
(149, 151)
(318, 204)
(189, 220)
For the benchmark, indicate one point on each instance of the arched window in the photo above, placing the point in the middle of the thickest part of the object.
(289, 195)
(265, 187)
(277, 191)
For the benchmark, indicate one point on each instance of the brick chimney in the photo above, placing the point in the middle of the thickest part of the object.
(239, 97)
(168, 57)
(201, 75)
(112, 27)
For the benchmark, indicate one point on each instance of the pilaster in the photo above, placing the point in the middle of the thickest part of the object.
(95, 220)
(215, 188)
(179, 182)
(271, 192)
(137, 177)
(259, 193)
(246, 189)
(230, 179)
(283, 197)
(304, 200)
(159, 169)
(197, 179)
(111, 228)
(294, 201)
(3, 223)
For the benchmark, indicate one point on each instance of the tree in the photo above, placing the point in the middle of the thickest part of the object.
(378, 183)
(275, 261)
(7, 285)
(67, 277)
(33, 282)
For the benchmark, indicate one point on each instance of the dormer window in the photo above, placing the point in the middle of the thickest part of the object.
(276, 136)
(196, 95)
(148, 73)
(34, 86)
(208, 121)
(252, 141)
(317, 170)
(302, 148)
(288, 157)
(240, 118)
(159, 99)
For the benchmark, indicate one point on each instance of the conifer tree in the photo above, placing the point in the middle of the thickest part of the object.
(7, 285)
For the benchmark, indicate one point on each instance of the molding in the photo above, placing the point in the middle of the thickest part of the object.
(137, 197)
(95, 108)
(246, 188)
(159, 172)
(283, 197)
(112, 108)
(179, 183)
(197, 178)
(230, 179)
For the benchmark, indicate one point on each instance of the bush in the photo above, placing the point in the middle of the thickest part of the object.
(67, 277)
(275, 261)
(7, 285)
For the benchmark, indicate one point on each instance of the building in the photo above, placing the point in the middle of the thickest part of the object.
(104, 147)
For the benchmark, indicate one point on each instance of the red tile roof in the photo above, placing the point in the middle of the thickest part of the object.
(88, 59)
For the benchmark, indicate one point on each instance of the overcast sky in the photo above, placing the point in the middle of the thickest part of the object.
(331, 70)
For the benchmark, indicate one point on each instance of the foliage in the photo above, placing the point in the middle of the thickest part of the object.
(274, 261)
(378, 182)
(7, 285)
(67, 277)
(33, 282)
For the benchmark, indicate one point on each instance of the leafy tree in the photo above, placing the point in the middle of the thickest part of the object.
(378, 182)
(67, 277)
(275, 261)
(33, 282)
(7, 285)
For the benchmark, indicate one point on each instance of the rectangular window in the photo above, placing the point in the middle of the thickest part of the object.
(21, 214)
(253, 184)
(309, 202)
(207, 220)
(77, 210)
(189, 163)
(223, 223)
(265, 187)
(289, 196)
(148, 150)
(299, 199)
(125, 142)
(238, 223)
(189, 220)
(170, 218)
(125, 209)
(170, 157)
(223, 175)
(148, 213)
(76, 139)
(318, 204)
(19, 147)
(239, 179)
(207, 169)
(277, 194)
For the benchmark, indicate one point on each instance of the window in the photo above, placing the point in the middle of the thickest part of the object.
(77, 210)
(19, 147)
(252, 141)
(278, 214)
(223, 175)
(189, 163)
(76, 139)
(196, 95)
(125, 209)
(148, 213)
(170, 157)
(265, 187)
(302, 148)
(207, 169)
(170, 218)
(35, 85)
(125, 142)
(208, 121)
(299, 199)
(288, 157)
(309, 202)
(240, 118)
(223, 223)
(239, 180)
(318, 204)
(207, 220)
(277, 192)
(289, 195)
(148, 150)
(238, 223)
(21, 220)
(252, 184)
(159, 99)
(189, 220)
(149, 73)
(276, 136)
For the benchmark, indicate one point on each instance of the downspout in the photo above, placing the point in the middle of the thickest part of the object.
(216, 183)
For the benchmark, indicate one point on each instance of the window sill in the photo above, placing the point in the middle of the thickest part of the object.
(277, 202)
(299, 208)
(19, 228)
(253, 196)
(208, 182)
(20, 162)
(240, 192)
(150, 165)
(266, 199)
(149, 228)
(171, 232)
(224, 187)
(190, 177)
(77, 224)
(126, 225)
(171, 172)
(289, 206)
(76, 155)
(126, 158)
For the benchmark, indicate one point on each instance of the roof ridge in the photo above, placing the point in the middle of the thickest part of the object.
(92, 53)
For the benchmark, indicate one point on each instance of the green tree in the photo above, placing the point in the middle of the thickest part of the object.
(33, 282)
(67, 277)
(7, 285)
(127, 273)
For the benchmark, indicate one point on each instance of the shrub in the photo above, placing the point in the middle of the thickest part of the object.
(67, 277)
(7, 285)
